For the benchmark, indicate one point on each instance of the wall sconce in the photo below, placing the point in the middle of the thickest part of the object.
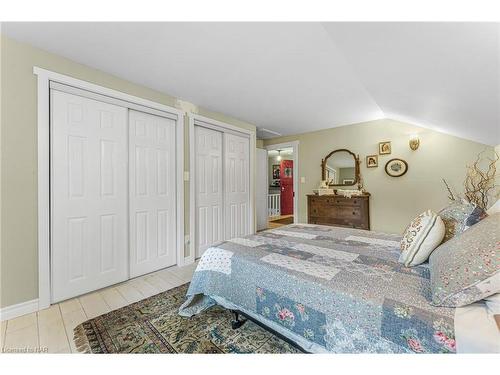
(414, 142)
(278, 158)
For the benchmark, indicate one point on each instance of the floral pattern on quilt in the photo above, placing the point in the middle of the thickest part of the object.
(417, 330)
(327, 290)
(298, 318)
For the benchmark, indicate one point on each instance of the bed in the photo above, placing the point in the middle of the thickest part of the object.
(326, 289)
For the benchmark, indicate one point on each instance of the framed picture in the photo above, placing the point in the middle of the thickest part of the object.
(384, 148)
(372, 161)
(396, 167)
(276, 171)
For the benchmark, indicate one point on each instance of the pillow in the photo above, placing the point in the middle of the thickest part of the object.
(466, 268)
(458, 216)
(420, 238)
(493, 304)
(494, 209)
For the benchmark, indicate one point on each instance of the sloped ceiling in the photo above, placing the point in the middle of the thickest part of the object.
(297, 77)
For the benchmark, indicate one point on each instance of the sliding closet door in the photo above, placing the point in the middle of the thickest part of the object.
(89, 195)
(208, 181)
(236, 184)
(152, 193)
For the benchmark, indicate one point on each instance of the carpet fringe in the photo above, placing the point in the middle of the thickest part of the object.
(80, 339)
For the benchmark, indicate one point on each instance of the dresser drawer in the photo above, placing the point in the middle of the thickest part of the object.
(339, 211)
(333, 200)
(341, 201)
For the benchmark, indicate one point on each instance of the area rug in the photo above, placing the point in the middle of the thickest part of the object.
(285, 221)
(153, 325)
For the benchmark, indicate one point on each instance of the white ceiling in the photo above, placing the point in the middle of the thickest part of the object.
(297, 77)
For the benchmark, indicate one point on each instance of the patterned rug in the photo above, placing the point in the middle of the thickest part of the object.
(153, 325)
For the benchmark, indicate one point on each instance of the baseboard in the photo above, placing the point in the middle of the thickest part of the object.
(188, 260)
(23, 308)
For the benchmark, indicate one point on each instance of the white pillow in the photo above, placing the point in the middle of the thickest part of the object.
(421, 237)
(493, 304)
(494, 209)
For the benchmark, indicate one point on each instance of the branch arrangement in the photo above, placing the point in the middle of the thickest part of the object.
(479, 183)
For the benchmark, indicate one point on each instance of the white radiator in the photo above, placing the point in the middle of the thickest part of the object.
(274, 205)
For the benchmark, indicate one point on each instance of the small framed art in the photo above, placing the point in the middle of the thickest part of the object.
(396, 167)
(371, 161)
(384, 148)
(276, 171)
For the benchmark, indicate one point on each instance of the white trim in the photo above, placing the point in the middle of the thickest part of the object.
(78, 83)
(204, 121)
(223, 127)
(111, 100)
(295, 146)
(44, 78)
(43, 193)
(23, 308)
(179, 133)
(192, 191)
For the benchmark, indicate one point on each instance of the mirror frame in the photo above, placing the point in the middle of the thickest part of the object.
(357, 177)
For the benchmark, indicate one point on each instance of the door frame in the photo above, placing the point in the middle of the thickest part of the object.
(295, 146)
(198, 120)
(44, 78)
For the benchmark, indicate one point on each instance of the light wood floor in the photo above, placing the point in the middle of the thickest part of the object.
(271, 224)
(52, 328)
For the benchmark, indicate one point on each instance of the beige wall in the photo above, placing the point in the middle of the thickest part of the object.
(497, 177)
(394, 201)
(19, 261)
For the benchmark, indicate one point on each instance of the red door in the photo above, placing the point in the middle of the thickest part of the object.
(286, 181)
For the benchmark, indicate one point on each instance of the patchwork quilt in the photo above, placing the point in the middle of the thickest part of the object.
(328, 289)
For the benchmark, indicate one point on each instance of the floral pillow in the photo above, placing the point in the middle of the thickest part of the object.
(420, 238)
(458, 216)
(466, 268)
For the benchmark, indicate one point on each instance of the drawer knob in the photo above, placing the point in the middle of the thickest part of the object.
(354, 212)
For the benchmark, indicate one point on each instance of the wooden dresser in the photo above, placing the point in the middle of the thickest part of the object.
(339, 211)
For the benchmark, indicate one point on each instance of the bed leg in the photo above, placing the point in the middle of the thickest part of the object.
(237, 322)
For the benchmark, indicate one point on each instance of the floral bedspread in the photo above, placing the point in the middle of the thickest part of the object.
(329, 289)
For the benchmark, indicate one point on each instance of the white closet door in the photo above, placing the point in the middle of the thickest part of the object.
(236, 184)
(208, 180)
(152, 193)
(89, 195)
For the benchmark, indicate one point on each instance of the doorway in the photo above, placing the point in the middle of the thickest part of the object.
(282, 185)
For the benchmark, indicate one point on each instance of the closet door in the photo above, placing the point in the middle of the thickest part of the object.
(236, 184)
(208, 181)
(89, 248)
(152, 193)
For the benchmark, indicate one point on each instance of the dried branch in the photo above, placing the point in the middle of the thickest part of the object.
(451, 196)
(478, 182)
